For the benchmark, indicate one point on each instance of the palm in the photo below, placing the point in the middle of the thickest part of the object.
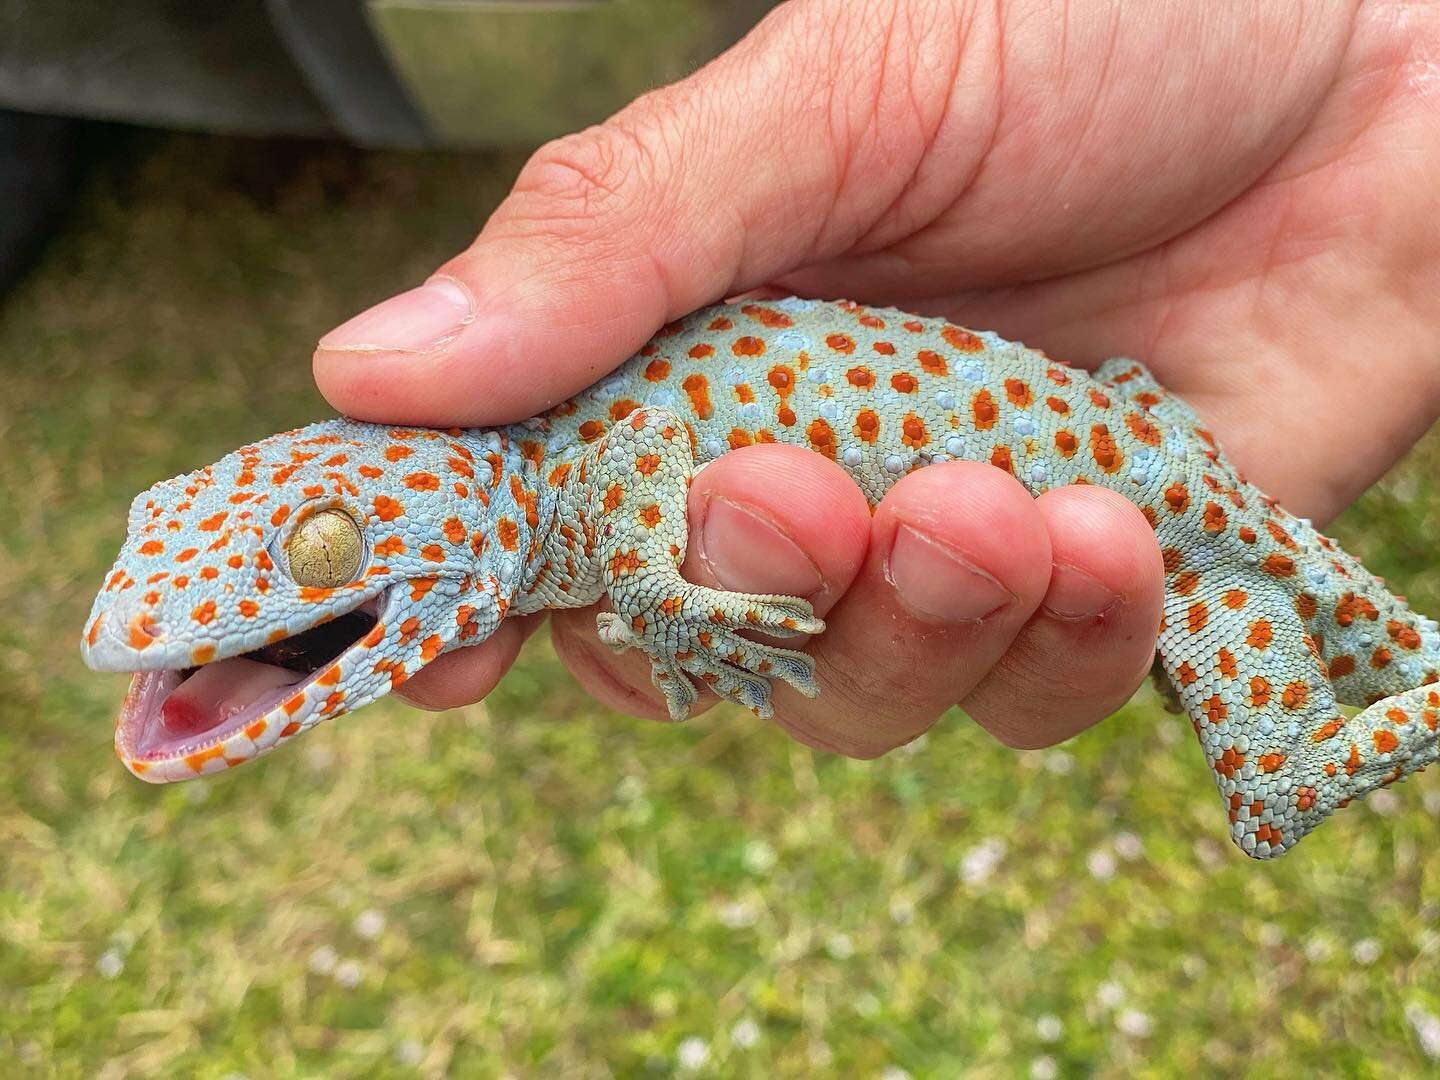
(1270, 280)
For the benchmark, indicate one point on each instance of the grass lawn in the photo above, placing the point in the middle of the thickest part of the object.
(533, 886)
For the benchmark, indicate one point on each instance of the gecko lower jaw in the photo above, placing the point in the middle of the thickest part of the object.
(170, 713)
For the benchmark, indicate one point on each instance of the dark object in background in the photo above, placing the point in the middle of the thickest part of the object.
(376, 73)
(37, 173)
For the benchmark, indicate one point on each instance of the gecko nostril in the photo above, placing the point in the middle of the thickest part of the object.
(144, 630)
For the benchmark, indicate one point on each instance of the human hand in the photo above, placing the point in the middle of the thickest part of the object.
(1253, 213)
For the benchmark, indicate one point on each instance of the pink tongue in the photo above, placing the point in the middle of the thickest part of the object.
(217, 692)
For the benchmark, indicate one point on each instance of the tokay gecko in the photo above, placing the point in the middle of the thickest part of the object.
(308, 574)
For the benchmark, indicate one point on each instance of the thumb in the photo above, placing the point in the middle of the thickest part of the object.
(781, 152)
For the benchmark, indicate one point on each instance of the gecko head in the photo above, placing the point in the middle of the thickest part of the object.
(294, 580)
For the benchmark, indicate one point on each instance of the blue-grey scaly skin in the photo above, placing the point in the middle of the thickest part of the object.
(1268, 625)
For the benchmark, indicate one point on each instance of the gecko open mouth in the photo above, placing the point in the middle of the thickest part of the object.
(169, 713)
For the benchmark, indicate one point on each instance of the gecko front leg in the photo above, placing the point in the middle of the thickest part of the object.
(636, 481)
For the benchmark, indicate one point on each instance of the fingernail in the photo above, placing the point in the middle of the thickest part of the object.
(416, 321)
(1074, 594)
(742, 548)
(939, 584)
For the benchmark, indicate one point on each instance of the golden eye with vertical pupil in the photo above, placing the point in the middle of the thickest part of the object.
(325, 550)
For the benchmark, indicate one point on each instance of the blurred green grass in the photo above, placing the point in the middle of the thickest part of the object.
(535, 887)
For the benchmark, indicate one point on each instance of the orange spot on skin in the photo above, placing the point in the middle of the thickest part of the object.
(204, 613)
(509, 533)
(697, 388)
(1058, 405)
(151, 547)
(1215, 520)
(646, 464)
(983, 411)
(748, 346)
(626, 562)
(622, 408)
(1328, 730)
(932, 363)
(1260, 634)
(1066, 442)
(650, 516)
(867, 425)
(776, 320)
(1259, 691)
(1185, 674)
(861, 378)
(197, 760)
(389, 547)
(1186, 582)
(902, 382)
(1198, 617)
(1380, 658)
(422, 481)
(739, 438)
(1001, 459)
(821, 437)
(1295, 695)
(1143, 429)
(1352, 607)
(1230, 762)
(249, 608)
(1099, 400)
(432, 553)
(386, 508)
(1280, 566)
(701, 351)
(1216, 710)
(420, 587)
(960, 338)
(1104, 450)
(913, 432)
(657, 370)
(1342, 666)
(841, 343)
(1018, 393)
(1306, 606)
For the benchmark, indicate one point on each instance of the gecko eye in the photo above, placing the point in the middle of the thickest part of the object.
(325, 551)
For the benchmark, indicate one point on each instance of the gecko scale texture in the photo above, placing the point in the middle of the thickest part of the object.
(309, 574)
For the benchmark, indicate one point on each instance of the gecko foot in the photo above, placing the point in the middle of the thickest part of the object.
(696, 633)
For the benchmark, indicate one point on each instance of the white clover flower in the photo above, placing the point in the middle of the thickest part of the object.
(759, 857)
(1426, 1026)
(1110, 995)
(1128, 846)
(323, 960)
(1049, 1028)
(979, 863)
(1101, 864)
(1044, 1068)
(110, 964)
(369, 924)
(692, 1053)
(1134, 1023)
(745, 1033)
(737, 914)
(1365, 951)
(348, 974)
(1383, 802)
